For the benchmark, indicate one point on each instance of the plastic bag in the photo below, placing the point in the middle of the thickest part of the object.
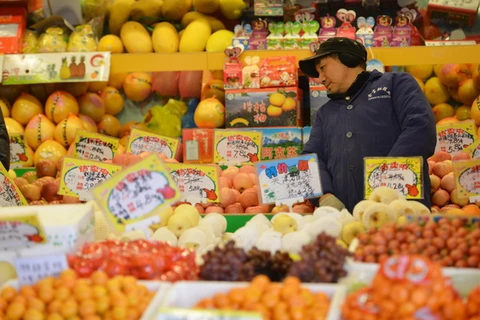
(82, 39)
(53, 40)
(166, 120)
(30, 42)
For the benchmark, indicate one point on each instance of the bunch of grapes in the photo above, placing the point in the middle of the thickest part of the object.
(321, 261)
(275, 266)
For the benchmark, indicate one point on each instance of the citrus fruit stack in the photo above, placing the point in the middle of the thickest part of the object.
(473, 304)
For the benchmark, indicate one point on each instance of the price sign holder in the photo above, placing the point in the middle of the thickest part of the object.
(189, 314)
(130, 198)
(198, 183)
(80, 176)
(474, 150)
(94, 146)
(10, 195)
(32, 269)
(289, 181)
(404, 174)
(143, 141)
(467, 178)
(20, 231)
(455, 137)
(18, 150)
(237, 147)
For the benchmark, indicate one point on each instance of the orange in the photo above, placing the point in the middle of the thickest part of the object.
(103, 304)
(54, 306)
(82, 292)
(46, 294)
(471, 209)
(27, 291)
(33, 314)
(19, 299)
(87, 308)
(260, 281)
(69, 309)
(8, 293)
(62, 293)
(119, 313)
(15, 311)
(36, 303)
(54, 316)
(3, 304)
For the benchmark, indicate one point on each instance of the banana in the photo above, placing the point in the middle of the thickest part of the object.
(214, 23)
(119, 13)
(146, 8)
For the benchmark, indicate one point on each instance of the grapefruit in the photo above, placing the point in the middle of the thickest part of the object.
(92, 106)
(463, 113)
(38, 130)
(88, 123)
(59, 105)
(442, 111)
(420, 84)
(210, 113)
(5, 107)
(97, 86)
(420, 71)
(76, 89)
(66, 130)
(435, 91)
(25, 108)
(451, 74)
(113, 100)
(109, 125)
(475, 111)
(467, 92)
(137, 86)
(110, 43)
(49, 149)
(13, 126)
(116, 80)
(448, 120)
(29, 162)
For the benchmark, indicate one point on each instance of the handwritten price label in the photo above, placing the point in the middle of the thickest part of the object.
(291, 178)
(455, 137)
(134, 194)
(10, 195)
(237, 147)
(141, 141)
(80, 176)
(21, 231)
(467, 175)
(18, 150)
(32, 269)
(401, 174)
(196, 182)
(474, 150)
(187, 314)
(94, 146)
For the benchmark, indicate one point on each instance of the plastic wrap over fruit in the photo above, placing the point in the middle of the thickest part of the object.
(166, 120)
(30, 42)
(82, 39)
(53, 40)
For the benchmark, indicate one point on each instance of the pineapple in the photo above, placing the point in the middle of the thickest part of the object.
(81, 68)
(65, 72)
(73, 68)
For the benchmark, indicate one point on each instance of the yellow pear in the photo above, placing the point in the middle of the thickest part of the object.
(285, 224)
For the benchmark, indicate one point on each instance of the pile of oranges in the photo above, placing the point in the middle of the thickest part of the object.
(71, 297)
(273, 300)
(473, 304)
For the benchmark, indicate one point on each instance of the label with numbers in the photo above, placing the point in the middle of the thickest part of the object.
(94, 146)
(18, 150)
(21, 231)
(467, 175)
(135, 193)
(32, 269)
(237, 147)
(403, 174)
(189, 314)
(474, 150)
(143, 141)
(80, 176)
(196, 182)
(455, 137)
(291, 178)
(10, 195)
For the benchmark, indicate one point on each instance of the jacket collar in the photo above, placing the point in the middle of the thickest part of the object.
(357, 85)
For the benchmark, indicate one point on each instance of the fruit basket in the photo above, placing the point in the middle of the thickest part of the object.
(187, 294)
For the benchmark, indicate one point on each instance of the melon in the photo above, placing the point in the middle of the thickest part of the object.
(138, 86)
(113, 100)
(88, 123)
(59, 105)
(25, 108)
(92, 106)
(49, 149)
(38, 130)
(210, 113)
(13, 126)
(66, 130)
(109, 125)
(5, 107)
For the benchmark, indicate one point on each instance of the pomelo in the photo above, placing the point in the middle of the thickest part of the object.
(138, 86)
(88, 123)
(435, 91)
(109, 125)
(97, 87)
(124, 140)
(467, 92)
(66, 130)
(38, 130)
(92, 105)
(475, 111)
(5, 107)
(13, 126)
(113, 100)
(463, 113)
(116, 80)
(76, 89)
(42, 91)
(443, 110)
(420, 71)
(49, 149)
(451, 74)
(210, 113)
(59, 105)
(448, 120)
(420, 84)
(25, 108)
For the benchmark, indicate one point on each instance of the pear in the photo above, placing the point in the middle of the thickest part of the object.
(165, 214)
(351, 231)
(193, 239)
(419, 208)
(261, 219)
(345, 217)
(294, 241)
(377, 215)
(385, 195)
(269, 241)
(326, 211)
(207, 229)
(178, 223)
(328, 225)
(217, 221)
(401, 207)
(247, 236)
(360, 208)
(164, 234)
(190, 211)
(285, 224)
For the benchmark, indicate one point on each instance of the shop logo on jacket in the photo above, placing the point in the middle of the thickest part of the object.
(379, 93)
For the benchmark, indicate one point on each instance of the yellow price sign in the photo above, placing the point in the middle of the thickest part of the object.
(467, 176)
(143, 141)
(404, 174)
(94, 146)
(21, 231)
(18, 150)
(237, 147)
(455, 137)
(474, 150)
(10, 195)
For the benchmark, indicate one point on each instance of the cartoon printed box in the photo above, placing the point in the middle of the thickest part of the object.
(198, 145)
(267, 107)
(279, 142)
(305, 135)
(318, 97)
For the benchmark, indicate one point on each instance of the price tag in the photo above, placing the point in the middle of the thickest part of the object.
(402, 174)
(189, 314)
(32, 269)
(237, 147)
(135, 193)
(80, 176)
(467, 176)
(10, 195)
(18, 150)
(474, 150)
(199, 183)
(455, 137)
(21, 231)
(141, 141)
(94, 146)
(292, 178)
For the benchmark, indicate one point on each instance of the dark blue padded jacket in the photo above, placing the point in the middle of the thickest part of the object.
(386, 116)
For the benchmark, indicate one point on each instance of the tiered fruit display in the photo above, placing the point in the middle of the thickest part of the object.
(69, 297)
(473, 304)
(406, 287)
(286, 300)
(452, 242)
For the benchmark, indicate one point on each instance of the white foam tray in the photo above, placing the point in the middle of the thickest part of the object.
(185, 294)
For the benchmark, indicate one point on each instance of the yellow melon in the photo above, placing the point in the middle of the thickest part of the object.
(25, 108)
(49, 149)
(66, 130)
(38, 130)
(59, 105)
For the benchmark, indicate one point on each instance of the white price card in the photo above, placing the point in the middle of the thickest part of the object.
(32, 269)
(189, 314)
